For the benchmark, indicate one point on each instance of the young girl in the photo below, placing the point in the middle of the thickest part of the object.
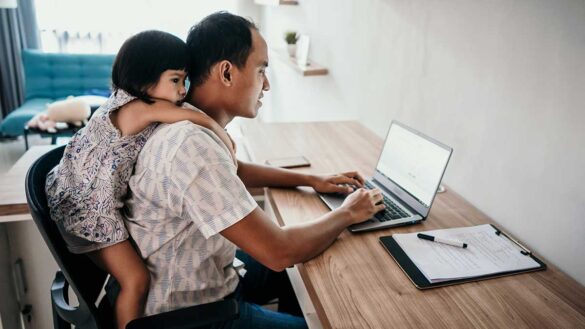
(85, 191)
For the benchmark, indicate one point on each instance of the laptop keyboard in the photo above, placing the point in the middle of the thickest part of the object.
(392, 211)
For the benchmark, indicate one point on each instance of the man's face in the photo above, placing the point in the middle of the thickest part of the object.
(250, 81)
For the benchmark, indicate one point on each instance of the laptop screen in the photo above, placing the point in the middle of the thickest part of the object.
(413, 162)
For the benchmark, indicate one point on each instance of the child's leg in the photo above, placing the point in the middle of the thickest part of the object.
(123, 263)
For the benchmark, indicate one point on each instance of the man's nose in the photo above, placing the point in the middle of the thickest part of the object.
(266, 85)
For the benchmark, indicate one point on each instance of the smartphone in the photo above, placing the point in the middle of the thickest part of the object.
(289, 162)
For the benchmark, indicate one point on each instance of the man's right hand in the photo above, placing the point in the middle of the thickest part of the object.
(363, 204)
(280, 247)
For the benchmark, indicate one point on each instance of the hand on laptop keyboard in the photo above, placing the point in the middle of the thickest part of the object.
(363, 204)
(392, 210)
(343, 183)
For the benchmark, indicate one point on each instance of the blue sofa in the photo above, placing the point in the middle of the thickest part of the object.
(52, 76)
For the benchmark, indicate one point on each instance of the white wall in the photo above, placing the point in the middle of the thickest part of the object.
(500, 81)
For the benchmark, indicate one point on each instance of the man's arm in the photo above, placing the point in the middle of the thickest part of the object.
(135, 116)
(280, 247)
(255, 175)
(217, 199)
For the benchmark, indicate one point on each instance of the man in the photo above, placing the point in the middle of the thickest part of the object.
(189, 207)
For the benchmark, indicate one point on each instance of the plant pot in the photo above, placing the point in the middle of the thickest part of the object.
(292, 50)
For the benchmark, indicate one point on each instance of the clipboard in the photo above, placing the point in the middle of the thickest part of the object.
(421, 282)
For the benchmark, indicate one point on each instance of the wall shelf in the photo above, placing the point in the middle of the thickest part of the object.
(277, 2)
(312, 68)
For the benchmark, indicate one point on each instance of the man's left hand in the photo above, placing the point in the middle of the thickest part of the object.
(338, 183)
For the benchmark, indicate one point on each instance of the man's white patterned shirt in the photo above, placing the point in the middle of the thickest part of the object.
(184, 191)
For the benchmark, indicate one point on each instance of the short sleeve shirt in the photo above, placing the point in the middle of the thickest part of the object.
(184, 192)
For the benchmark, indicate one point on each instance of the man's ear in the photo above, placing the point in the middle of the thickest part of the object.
(225, 70)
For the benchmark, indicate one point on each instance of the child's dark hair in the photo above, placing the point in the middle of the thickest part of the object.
(143, 58)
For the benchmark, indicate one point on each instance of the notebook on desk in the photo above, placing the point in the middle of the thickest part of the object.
(489, 253)
(408, 173)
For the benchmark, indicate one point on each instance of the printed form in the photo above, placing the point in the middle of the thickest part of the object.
(486, 253)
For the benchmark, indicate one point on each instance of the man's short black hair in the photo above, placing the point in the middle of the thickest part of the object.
(219, 36)
(143, 58)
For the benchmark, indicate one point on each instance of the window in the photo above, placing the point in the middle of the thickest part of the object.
(81, 26)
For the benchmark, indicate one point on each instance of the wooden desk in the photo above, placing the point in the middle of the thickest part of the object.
(13, 206)
(356, 284)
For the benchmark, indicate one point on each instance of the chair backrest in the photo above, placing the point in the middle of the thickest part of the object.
(83, 276)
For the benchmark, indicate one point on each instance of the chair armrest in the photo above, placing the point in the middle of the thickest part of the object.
(190, 317)
(59, 297)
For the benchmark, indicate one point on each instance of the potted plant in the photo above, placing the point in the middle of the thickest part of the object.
(291, 38)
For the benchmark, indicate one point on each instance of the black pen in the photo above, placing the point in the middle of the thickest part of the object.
(450, 242)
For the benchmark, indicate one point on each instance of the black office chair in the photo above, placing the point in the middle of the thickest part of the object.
(87, 280)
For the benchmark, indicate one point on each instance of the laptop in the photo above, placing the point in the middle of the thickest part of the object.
(409, 171)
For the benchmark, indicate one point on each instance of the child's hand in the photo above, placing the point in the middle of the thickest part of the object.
(167, 112)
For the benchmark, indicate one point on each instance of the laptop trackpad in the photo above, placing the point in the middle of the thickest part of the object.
(333, 200)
